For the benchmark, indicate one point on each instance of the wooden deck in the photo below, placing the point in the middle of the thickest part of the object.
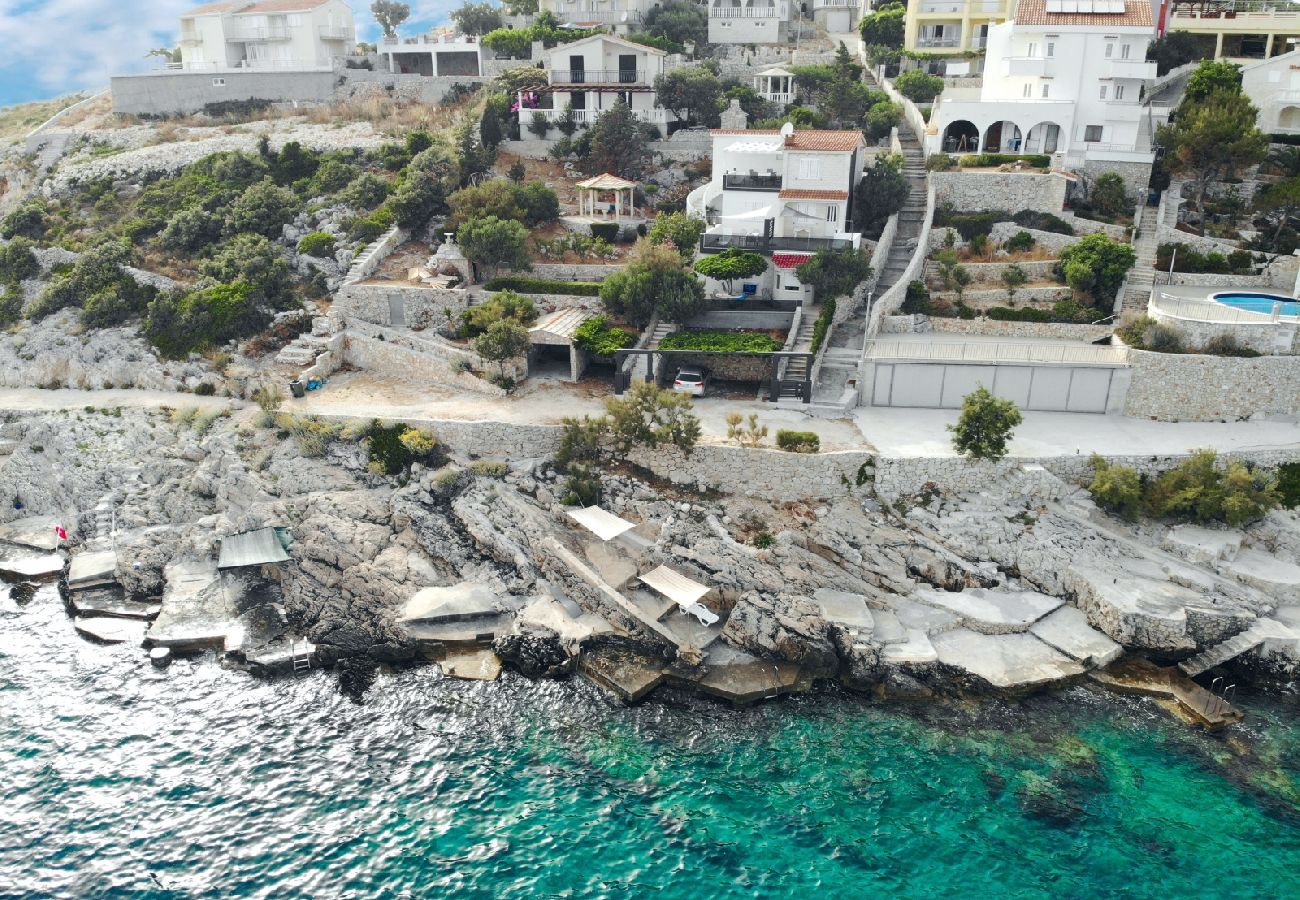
(1182, 696)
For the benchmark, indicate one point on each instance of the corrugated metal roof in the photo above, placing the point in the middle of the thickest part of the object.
(559, 325)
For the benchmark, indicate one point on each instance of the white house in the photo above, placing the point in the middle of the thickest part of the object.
(1057, 81)
(591, 75)
(267, 34)
(785, 194)
(435, 53)
(748, 21)
(620, 16)
(1274, 87)
(837, 16)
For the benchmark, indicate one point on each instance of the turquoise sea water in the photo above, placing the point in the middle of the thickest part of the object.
(119, 781)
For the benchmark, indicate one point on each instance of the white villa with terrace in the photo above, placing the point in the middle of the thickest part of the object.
(591, 75)
(266, 34)
(1063, 76)
(1273, 85)
(785, 194)
(748, 21)
(620, 16)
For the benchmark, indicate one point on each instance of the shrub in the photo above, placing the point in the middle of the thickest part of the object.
(205, 389)
(1116, 488)
(526, 285)
(917, 299)
(18, 261)
(823, 324)
(185, 322)
(1288, 484)
(988, 160)
(500, 307)
(1198, 490)
(27, 221)
(490, 468)
(1096, 265)
(917, 86)
(1226, 345)
(834, 273)
(11, 304)
(764, 540)
(600, 339)
(798, 441)
(1109, 195)
(538, 202)
(539, 125)
(940, 162)
(677, 229)
(746, 433)
(1042, 221)
(883, 118)
(985, 425)
(418, 442)
(393, 448)
(264, 208)
(369, 228)
(255, 261)
(494, 243)
(319, 244)
(332, 176)
(720, 341)
(605, 231)
(417, 197)
(1019, 242)
(367, 191)
(969, 224)
(191, 229)
(581, 488)
(312, 433)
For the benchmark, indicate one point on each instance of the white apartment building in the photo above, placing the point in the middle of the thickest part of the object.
(1058, 81)
(436, 53)
(591, 74)
(1273, 85)
(952, 26)
(1238, 30)
(620, 16)
(837, 16)
(267, 34)
(785, 194)
(748, 21)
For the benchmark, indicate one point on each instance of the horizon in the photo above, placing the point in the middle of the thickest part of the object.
(53, 54)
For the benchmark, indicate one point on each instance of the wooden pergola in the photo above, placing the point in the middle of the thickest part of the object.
(589, 192)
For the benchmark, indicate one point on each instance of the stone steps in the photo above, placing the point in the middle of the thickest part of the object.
(1230, 649)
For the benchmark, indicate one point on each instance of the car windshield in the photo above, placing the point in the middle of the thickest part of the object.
(689, 377)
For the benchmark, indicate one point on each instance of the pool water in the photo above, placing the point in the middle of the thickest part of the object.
(1260, 303)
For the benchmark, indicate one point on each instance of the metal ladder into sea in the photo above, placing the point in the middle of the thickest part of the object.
(301, 658)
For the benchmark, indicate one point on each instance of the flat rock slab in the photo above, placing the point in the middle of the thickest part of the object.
(452, 603)
(551, 615)
(992, 612)
(1201, 545)
(473, 632)
(1135, 610)
(611, 563)
(625, 673)
(1005, 660)
(472, 665)
(197, 610)
(916, 648)
(1068, 630)
(1278, 577)
(844, 608)
(36, 532)
(923, 616)
(24, 564)
(110, 602)
(743, 683)
(98, 567)
(111, 631)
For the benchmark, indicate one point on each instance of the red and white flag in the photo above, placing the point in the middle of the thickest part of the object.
(61, 532)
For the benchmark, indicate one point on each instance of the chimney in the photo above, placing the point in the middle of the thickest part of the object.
(733, 118)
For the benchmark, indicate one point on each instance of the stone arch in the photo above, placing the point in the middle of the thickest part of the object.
(1289, 117)
(961, 136)
(1045, 137)
(1002, 137)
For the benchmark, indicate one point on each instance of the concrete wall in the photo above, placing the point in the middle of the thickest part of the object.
(572, 271)
(423, 307)
(993, 327)
(1048, 241)
(175, 92)
(1180, 387)
(1012, 191)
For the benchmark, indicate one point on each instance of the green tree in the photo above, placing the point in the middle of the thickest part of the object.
(422, 192)
(731, 264)
(521, 7)
(389, 15)
(882, 192)
(985, 425)
(654, 283)
(18, 261)
(503, 341)
(1116, 488)
(618, 142)
(1198, 490)
(1212, 140)
(1013, 279)
(539, 125)
(494, 244)
(490, 198)
(1096, 266)
(917, 86)
(651, 416)
(477, 18)
(1211, 77)
(27, 221)
(882, 118)
(503, 306)
(678, 21)
(1173, 49)
(954, 275)
(679, 230)
(567, 123)
(264, 208)
(835, 273)
(255, 261)
(693, 94)
(515, 43)
(1278, 202)
(1109, 194)
(884, 27)
(489, 127)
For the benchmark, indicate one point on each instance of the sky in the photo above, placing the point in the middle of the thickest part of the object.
(57, 47)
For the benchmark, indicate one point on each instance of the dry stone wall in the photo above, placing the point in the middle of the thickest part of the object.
(1003, 190)
(1183, 387)
(421, 306)
(996, 328)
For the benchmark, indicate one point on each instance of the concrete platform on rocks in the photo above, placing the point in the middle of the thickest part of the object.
(111, 603)
(992, 611)
(915, 648)
(628, 675)
(36, 532)
(472, 665)
(1201, 545)
(1068, 630)
(1136, 610)
(198, 611)
(111, 631)
(27, 562)
(460, 602)
(1277, 577)
(611, 562)
(95, 568)
(1005, 660)
(551, 615)
(844, 608)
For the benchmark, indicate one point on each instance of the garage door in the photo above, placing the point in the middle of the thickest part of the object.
(943, 385)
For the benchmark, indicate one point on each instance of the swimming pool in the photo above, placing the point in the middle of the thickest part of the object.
(1256, 302)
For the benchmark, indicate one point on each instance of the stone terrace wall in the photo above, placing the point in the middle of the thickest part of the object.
(424, 307)
(1084, 226)
(1004, 190)
(1179, 387)
(1054, 330)
(1048, 241)
(773, 474)
(572, 271)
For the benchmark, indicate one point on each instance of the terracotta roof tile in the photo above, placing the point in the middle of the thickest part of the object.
(1137, 13)
(280, 6)
(808, 139)
(790, 260)
(211, 8)
(797, 194)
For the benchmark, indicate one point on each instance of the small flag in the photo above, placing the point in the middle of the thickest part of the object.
(61, 532)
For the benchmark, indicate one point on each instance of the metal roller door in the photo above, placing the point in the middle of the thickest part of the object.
(1083, 389)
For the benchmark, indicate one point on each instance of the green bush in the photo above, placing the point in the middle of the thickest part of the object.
(985, 425)
(1019, 242)
(503, 306)
(1186, 258)
(940, 162)
(191, 229)
(17, 261)
(987, 160)
(1042, 221)
(917, 299)
(581, 488)
(605, 231)
(525, 285)
(27, 221)
(969, 224)
(1116, 488)
(1288, 484)
(264, 208)
(187, 322)
(720, 341)
(1063, 311)
(11, 304)
(1198, 490)
(918, 87)
(798, 441)
(367, 191)
(601, 339)
(319, 244)
(823, 324)
(368, 228)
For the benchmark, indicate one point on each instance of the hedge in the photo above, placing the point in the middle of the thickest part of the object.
(605, 231)
(601, 339)
(798, 441)
(984, 160)
(721, 341)
(525, 285)
(823, 324)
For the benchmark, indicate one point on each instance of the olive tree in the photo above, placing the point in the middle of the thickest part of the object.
(985, 426)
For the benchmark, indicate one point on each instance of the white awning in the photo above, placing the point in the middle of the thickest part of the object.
(801, 214)
(604, 525)
(763, 212)
(251, 548)
(675, 586)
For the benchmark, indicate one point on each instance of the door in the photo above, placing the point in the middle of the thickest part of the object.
(577, 69)
(578, 100)
(627, 68)
(396, 312)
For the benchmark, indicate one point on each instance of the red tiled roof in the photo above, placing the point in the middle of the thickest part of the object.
(839, 141)
(796, 194)
(790, 260)
(1137, 13)
(210, 8)
(280, 6)
(758, 131)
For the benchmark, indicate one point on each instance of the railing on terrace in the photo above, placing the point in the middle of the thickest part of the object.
(984, 7)
(335, 33)
(995, 351)
(1231, 10)
(752, 182)
(938, 42)
(441, 38)
(777, 97)
(597, 76)
(588, 116)
(835, 4)
(742, 12)
(1212, 311)
(265, 33)
(713, 243)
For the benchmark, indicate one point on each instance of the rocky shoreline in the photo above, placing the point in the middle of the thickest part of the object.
(476, 564)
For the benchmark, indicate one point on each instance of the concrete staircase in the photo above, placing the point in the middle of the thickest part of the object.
(1243, 642)
(797, 367)
(661, 331)
(1142, 277)
(302, 352)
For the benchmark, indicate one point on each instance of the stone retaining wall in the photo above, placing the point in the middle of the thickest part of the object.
(996, 328)
(771, 474)
(1048, 241)
(1083, 226)
(991, 272)
(1269, 338)
(1136, 175)
(1167, 234)
(573, 271)
(423, 306)
(998, 297)
(1012, 190)
(1181, 387)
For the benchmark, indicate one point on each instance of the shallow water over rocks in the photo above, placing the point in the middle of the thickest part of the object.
(196, 781)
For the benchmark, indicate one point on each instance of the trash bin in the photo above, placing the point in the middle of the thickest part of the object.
(297, 389)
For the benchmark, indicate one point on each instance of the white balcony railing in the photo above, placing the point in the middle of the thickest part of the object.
(244, 34)
(396, 44)
(588, 116)
(996, 351)
(1207, 310)
(742, 12)
(328, 33)
(938, 42)
(836, 4)
(599, 17)
(778, 97)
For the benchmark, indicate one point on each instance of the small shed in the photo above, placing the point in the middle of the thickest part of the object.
(557, 329)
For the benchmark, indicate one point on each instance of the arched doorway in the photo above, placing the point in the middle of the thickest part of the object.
(1043, 138)
(961, 137)
(1002, 137)
(1289, 118)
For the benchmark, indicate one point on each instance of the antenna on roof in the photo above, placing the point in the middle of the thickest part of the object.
(787, 130)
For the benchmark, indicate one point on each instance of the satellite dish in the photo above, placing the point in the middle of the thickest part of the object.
(787, 130)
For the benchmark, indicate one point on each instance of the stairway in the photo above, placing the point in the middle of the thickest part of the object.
(662, 330)
(302, 352)
(1259, 631)
(1142, 277)
(796, 368)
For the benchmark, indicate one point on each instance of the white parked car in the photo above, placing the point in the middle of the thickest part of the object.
(692, 381)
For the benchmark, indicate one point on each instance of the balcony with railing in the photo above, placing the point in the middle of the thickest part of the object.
(1238, 16)
(717, 242)
(598, 76)
(932, 43)
(734, 181)
(1132, 68)
(836, 4)
(248, 34)
(654, 116)
(427, 41)
(781, 97)
(743, 12)
(335, 33)
(959, 7)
